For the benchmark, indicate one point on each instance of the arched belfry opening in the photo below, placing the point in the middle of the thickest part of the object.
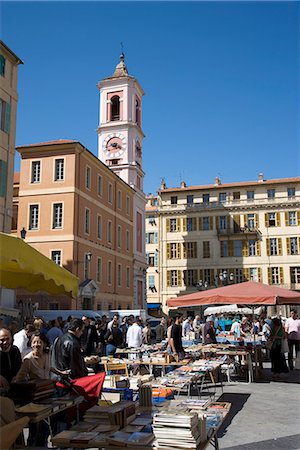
(115, 108)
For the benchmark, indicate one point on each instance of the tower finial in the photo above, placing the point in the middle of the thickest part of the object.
(122, 56)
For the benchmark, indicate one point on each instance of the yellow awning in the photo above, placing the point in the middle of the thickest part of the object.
(22, 266)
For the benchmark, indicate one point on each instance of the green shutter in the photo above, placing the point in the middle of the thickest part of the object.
(7, 118)
(3, 178)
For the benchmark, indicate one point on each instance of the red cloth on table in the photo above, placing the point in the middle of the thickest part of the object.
(89, 387)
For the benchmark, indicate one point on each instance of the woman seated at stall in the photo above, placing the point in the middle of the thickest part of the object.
(36, 366)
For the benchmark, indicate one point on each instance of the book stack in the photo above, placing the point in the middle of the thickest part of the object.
(32, 390)
(145, 395)
(131, 440)
(177, 429)
(33, 410)
(120, 413)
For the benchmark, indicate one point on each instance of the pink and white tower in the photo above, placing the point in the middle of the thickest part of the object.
(120, 139)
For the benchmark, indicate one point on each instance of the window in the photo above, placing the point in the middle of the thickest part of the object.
(250, 196)
(251, 221)
(151, 238)
(190, 224)
(190, 199)
(275, 275)
(100, 186)
(119, 275)
(206, 249)
(252, 247)
(139, 232)
(137, 112)
(109, 231)
(119, 231)
(173, 252)
(115, 108)
(173, 225)
(222, 197)
(35, 171)
(273, 246)
(34, 217)
(2, 65)
(109, 272)
(59, 170)
(205, 198)
(190, 250)
(238, 275)
(99, 270)
(14, 222)
(87, 221)
(292, 218)
(253, 273)
(151, 282)
(224, 248)
(110, 193)
(151, 259)
(222, 222)
(127, 241)
(88, 177)
(190, 277)
(99, 227)
(127, 277)
(293, 246)
(127, 205)
(237, 248)
(174, 278)
(119, 200)
(86, 265)
(272, 219)
(291, 192)
(207, 277)
(236, 195)
(271, 193)
(3, 178)
(138, 182)
(206, 223)
(56, 256)
(295, 275)
(4, 116)
(57, 215)
(174, 200)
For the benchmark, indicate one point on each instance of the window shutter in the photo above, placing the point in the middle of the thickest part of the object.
(156, 259)
(183, 224)
(155, 238)
(201, 274)
(245, 249)
(227, 222)
(269, 275)
(195, 249)
(222, 248)
(286, 218)
(200, 223)
(298, 218)
(245, 220)
(298, 243)
(277, 219)
(168, 225)
(184, 250)
(211, 223)
(212, 275)
(259, 274)
(168, 250)
(178, 250)
(147, 238)
(7, 118)
(147, 258)
(178, 224)
(246, 274)
(266, 220)
(218, 222)
(268, 246)
(279, 247)
(179, 277)
(168, 278)
(256, 222)
(281, 275)
(230, 248)
(185, 277)
(194, 224)
(257, 245)
(288, 246)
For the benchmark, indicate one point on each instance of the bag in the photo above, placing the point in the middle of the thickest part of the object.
(284, 346)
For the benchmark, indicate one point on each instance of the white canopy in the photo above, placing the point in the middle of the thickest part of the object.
(230, 309)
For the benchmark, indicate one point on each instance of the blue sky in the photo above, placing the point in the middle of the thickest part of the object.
(221, 81)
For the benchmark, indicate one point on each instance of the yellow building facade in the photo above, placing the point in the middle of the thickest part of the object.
(213, 235)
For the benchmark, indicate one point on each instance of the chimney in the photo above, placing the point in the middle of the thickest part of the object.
(183, 184)
(260, 177)
(218, 181)
(163, 184)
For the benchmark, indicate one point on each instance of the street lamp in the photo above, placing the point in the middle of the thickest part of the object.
(23, 233)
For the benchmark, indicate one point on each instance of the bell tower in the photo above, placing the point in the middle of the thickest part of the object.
(120, 141)
(120, 135)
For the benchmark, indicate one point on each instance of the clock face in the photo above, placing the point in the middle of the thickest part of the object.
(114, 145)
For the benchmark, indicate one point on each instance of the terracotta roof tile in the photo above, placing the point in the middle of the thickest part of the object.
(58, 141)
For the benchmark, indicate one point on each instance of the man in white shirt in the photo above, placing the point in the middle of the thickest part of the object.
(187, 327)
(292, 327)
(134, 335)
(22, 339)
